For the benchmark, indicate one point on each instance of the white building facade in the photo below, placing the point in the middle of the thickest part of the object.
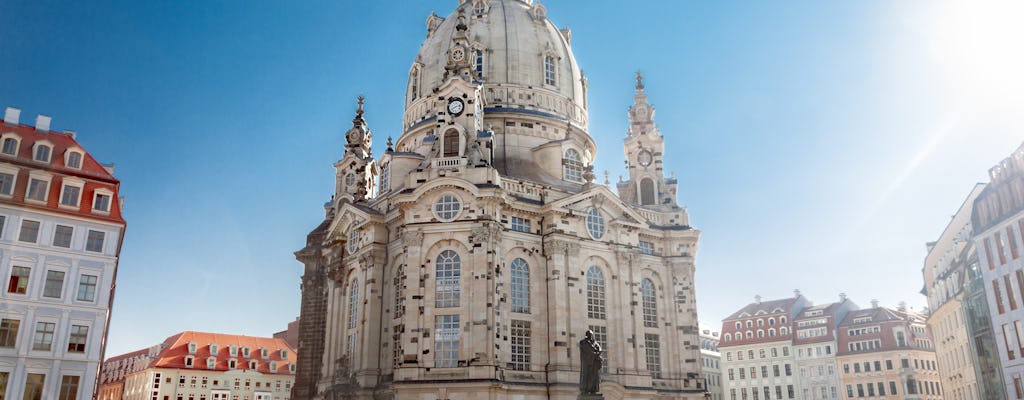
(711, 362)
(998, 225)
(60, 237)
(815, 348)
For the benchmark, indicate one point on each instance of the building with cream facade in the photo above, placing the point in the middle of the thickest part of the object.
(60, 238)
(203, 366)
(946, 274)
(711, 362)
(888, 353)
(469, 260)
(815, 347)
(758, 362)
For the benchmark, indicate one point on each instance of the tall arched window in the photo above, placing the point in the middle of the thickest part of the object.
(451, 143)
(449, 273)
(520, 288)
(353, 303)
(385, 178)
(650, 303)
(479, 63)
(414, 85)
(595, 293)
(572, 166)
(549, 70)
(399, 284)
(646, 191)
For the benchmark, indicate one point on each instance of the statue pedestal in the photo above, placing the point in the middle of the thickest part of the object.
(590, 396)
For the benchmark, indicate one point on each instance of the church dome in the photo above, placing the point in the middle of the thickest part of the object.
(521, 58)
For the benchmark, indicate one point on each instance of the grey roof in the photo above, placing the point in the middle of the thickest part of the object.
(766, 306)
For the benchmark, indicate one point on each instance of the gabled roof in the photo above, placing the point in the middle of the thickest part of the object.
(769, 307)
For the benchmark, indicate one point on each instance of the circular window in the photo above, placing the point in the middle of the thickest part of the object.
(595, 223)
(447, 207)
(350, 179)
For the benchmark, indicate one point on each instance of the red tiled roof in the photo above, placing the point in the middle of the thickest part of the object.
(92, 172)
(126, 355)
(176, 349)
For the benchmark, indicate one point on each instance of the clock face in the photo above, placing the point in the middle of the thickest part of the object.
(645, 158)
(455, 106)
(458, 54)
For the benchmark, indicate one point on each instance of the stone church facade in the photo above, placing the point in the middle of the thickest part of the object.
(468, 261)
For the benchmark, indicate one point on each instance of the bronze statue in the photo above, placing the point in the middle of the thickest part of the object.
(590, 364)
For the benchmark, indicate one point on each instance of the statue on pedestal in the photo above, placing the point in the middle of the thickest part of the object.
(590, 367)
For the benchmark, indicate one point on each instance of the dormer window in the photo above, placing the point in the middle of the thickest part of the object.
(101, 201)
(8, 174)
(191, 348)
(265, 353)
(38, 186)
(211, 362)
(42, 151)
(245, 352)
(10, 144)
(273, 366)
(284, 354)
(291, 368)
(213, 349)
(233, 350)
(189, 361)
(252, 364)
(73, 159)
(71, 192)
(232, 363)
(572, 166)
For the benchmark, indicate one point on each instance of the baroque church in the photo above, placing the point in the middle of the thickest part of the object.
(468, 261)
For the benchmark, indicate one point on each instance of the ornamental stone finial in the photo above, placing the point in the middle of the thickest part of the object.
(639, 81)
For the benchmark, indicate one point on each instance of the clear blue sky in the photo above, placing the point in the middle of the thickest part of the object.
(818, 145)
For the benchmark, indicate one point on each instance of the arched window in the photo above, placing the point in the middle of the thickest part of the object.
(572, 166)
(399, 284)
(760, 333)
(520, 288)
(451, 143)
(449, 273)
(649, 303)
(771, 321)
(595, 223)
(42, 153)
(750, 335)
(782, 320)
(750, 324)
(385, 178)
(595, 293)
(760, 322)
(549, 70)
(771, 332)
(353, 303)
(74, 159)
(414, 85)
(10, 146)
(739, 325)
(783, 331)
(646, 191)
(353, 240)
(479, 62)
(728, 337)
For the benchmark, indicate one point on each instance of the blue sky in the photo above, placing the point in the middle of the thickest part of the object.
(818, 145)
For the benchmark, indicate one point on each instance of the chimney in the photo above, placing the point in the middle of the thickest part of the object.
(11, 116)
(42, 123)
(902, 306)
(73, 134)
(874, 303)
(796, 292)
(757, 299)
(842, 297)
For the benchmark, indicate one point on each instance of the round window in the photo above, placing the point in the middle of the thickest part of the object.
(447, 207)
(595, 223)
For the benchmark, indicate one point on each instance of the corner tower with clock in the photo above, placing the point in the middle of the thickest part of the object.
(644, 147)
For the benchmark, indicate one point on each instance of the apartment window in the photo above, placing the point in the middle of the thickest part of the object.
(446, 341)
(74, 159)
(29, 231)
(101, 202)
(10, 146)
(789, 370)
(6, 183)
(69, 195)
(68, 388)
(94, 242)
(778, 392)
(881, 388)
(999, 248)
(653, 349)
(9, 333)
(87, 288)
(549, 70)
(43, 339)
(520, 224)
(34, 386)
(449, 275)
(595, 293)
(572, 166)
(42, 153)
(353, 306)
(54, 284)
(520, 335)
(888, 364)
(988, 253)
(79, 334)
(520, 287)
(19, 280)
(999, 296)
(62, 236)
(1013, 242)
(37, 189)
(775, 370)
(650, 304)
(4, 376)
(646, 247)
(1018, 386)
(1009, 292)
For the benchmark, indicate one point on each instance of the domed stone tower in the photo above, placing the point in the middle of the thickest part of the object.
(485, 250)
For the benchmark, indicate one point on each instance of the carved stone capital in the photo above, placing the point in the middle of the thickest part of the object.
(412, 238)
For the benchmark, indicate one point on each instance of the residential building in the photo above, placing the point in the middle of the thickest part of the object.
(998, 225)
(197, 365)
(710, 360)
(987, 365)
(945, 281)
(469, 260)
(758, 361)
(886, 352)
(60, 238)
(815, 348)
(290, 335)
